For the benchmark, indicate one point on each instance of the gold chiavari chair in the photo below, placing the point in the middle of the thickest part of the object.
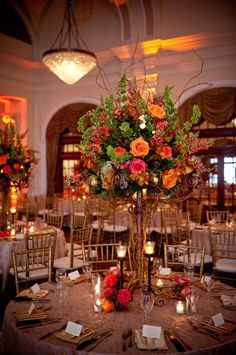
(102, 256)
(31, 265)
(54, 219)
(215, 216)
(194, 208)
(41, 240)
(176, 255)
(223, 247)
(75, 258)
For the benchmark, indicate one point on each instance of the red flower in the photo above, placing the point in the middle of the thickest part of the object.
(110, 280)
(109, 292)
(16, 166)
(119, 150)
(123, 297)
(6, 169)
(137, 166)
(187, 290)
(166, 152)
(3, 159)
(181, 280)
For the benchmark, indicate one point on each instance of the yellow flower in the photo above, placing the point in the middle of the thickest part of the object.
(139, 147)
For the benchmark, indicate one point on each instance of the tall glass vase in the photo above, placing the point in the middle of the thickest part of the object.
(142, 210)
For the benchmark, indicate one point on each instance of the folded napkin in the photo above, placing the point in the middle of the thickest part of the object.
(149, 343)
(165, 271)
(229, 301)
(29, 293)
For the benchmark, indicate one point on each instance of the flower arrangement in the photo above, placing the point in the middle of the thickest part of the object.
(183, 286)
(15, 158)
(130, 143)
(114, 297)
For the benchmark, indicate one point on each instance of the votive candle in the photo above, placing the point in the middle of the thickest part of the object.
(179, 306)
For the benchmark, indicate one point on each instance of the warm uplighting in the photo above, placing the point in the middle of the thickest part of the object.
(69, 64)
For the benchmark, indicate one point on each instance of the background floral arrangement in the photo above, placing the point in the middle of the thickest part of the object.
(130, 143)
(117, 298)
(15, 158)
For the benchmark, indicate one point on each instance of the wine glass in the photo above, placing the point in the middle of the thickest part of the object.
(208, 280)
(157, 265)
(60, 277)
(87, 269)
(147, 302)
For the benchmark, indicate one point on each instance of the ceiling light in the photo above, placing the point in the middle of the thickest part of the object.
(68, 63)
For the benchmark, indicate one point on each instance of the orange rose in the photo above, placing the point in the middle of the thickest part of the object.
(156, 111)
(3, 159)
(169, 178)
(166, 152)
(139, 147)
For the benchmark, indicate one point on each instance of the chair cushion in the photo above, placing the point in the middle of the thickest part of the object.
(76, 246)
(117, 229)
(32, 274)
(228, 265)
(207, 259)
(64, 263)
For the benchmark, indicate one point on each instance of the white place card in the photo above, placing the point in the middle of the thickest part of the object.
(35, 288)
(73, 328)
(74, 275)
(151, 331)
(31, 308)
(218, 319)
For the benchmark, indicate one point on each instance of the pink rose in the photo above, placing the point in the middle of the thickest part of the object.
(124, 296)
(6, 169)
(137, 166)
(110, 280)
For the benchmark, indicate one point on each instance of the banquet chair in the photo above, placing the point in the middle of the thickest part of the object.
(75, 258)
(41, 240)
(180, 234)
(54, 219)
(176, 255)
(194, 209)
(31, 265)
(78, 221)
(223, 246)
(215, 216)
(102, 256)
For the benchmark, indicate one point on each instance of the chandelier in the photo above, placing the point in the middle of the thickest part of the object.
(69, 64)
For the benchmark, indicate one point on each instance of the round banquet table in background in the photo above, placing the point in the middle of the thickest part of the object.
(78, 307)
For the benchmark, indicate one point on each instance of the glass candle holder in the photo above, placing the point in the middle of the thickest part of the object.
(179, 307)
(149, 247)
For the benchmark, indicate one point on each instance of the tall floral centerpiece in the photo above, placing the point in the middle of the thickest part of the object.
(135, 149)
(15, 164)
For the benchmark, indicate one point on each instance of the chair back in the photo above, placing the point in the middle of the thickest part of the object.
(194, 209)
(223, 244)
(180, 234)
(102, 256)
(54, 219)
(32, 265)
(41, 240)
(217, 216)
(77, 238)
(176, 255)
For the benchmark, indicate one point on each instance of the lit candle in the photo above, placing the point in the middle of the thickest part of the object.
(97, 296)
(179, 307)
(159, 283)
(149, 247)
(32, 229)
(13, 232)
(13, 210)
(121, 251)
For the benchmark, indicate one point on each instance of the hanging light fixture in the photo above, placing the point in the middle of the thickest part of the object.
(69, 64)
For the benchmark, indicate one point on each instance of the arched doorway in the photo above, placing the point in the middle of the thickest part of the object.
(61, 137)
(218, 125)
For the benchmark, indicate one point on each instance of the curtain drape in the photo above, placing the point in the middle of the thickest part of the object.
(218, 105)
(66, 118)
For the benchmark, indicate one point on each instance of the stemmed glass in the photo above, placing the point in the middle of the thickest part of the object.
(62, 289)
(208, 280)
(87, 269)
(147, 302)
(157, 265)
(60, 277)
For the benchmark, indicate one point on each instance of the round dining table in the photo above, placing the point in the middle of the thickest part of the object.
(78, 307)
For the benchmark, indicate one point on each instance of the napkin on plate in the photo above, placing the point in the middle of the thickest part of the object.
(29, 293)
(149, 343)
(229, 301)
(165, 271)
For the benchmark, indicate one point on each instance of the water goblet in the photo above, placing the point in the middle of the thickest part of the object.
(157, 265)
(147, 302)
(60, 277)
(208, 280)
(188, 270)
(87, 269)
